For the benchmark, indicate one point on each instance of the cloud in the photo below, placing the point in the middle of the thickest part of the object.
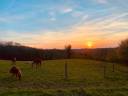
(12, 18)
(53, 19)
(102, 1)
(2, 19)
(77, 13)
(67, 10)
(60, 9)
(105, 31)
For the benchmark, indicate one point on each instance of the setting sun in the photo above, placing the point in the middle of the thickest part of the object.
(64, 47)
(89, 44)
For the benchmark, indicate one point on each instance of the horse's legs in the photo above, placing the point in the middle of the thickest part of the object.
(32, 65)
(36, 65)
(19, 76)
(39, 65)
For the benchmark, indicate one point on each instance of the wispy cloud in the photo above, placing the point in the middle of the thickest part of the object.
(48, 25)
(13, 18)
(102, 1)
(104, 33)
(67, 10)
(53, 19)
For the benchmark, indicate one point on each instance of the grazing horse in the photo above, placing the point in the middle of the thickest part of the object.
(15, 71)
(37, 62)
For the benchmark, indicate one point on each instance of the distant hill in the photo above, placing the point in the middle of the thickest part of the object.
(10, 50)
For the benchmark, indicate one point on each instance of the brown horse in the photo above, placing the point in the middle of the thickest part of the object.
(36, 62)
(15, 71)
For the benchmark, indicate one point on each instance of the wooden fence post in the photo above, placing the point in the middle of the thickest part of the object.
(66, 70)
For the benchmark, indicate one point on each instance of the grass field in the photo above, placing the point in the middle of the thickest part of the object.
(86, 78)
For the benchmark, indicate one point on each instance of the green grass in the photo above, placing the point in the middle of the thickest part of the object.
(47, 80)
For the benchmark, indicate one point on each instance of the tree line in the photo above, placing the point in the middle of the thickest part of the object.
(118, 54)
(25, 53)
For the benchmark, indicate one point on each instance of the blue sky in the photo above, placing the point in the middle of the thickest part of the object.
(55, 23)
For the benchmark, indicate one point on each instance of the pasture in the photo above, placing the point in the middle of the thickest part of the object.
(84, 76)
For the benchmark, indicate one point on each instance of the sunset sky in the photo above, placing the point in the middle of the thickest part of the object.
(55, 23)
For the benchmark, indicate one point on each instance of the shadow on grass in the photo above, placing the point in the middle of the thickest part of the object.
(73, 92)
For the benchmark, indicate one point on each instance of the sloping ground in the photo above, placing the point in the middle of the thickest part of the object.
(84, 77)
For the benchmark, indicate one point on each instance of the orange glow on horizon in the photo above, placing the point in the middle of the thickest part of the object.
(89, 44)
(80, 44)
